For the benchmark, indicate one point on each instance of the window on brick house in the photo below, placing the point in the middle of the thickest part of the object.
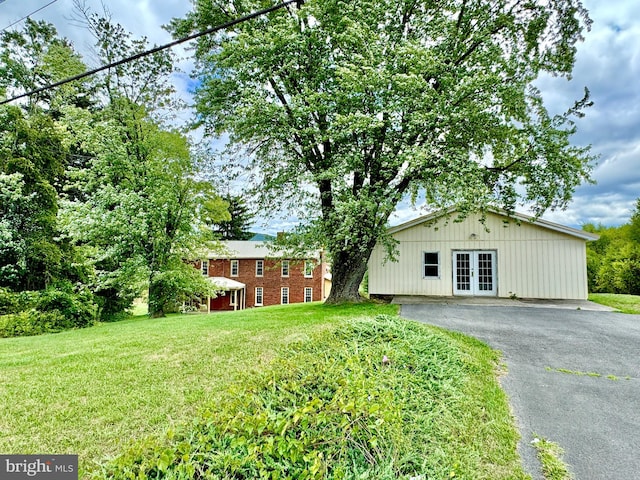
(258, 296)
(284, 295)
(308, 294)
(234, 268)
(308, 268)
(205, 268)
(259, 268)
(285, 268)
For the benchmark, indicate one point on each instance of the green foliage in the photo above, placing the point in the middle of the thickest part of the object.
(634, 224)
(376, 398)
(35, 57)
(33, 157)
(32, 162)
(57, 308)
(237, 227)
(76, 306)
(15, 302)
(339, 110)
(32, 322)
(179, 283)
(139, 209)
(613, 261)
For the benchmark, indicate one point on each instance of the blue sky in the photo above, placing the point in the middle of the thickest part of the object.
(608, 63)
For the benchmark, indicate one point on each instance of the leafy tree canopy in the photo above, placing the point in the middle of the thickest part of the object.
(613, 261)
(139, 209)
(345, 107)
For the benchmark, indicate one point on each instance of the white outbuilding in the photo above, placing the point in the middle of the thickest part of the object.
(508, 256)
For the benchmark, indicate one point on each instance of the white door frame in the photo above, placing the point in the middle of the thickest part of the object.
(474, 272)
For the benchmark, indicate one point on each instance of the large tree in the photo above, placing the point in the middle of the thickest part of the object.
(140, 209)
(34, 156)
(347, 107)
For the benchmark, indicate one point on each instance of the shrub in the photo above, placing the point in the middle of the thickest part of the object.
(76, 307)
(15, 302)
(57, 308)
(8, 301)
(32, 322)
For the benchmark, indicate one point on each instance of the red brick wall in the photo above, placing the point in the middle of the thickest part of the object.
(271, 281)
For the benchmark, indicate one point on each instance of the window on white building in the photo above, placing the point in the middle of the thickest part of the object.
(431, 264)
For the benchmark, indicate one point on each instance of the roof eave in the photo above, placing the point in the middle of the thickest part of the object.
(587, 236)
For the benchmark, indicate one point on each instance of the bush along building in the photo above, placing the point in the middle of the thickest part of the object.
(249, 274)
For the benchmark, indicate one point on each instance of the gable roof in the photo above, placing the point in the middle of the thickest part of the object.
(574, 232)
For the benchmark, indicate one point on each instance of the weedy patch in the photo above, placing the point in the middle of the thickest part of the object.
(583, 374)
(550, 455)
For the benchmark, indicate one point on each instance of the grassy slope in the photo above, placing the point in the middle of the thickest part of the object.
(623, 303)
(93, 391)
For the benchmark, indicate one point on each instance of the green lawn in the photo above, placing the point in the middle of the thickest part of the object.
(622, 303)
(98, 391)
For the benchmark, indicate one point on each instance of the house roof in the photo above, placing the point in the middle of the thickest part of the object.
(248, 249)
(574, 232)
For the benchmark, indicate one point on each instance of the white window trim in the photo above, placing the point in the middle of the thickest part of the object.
(310, 290)
(424, 264)
(204, 268)
(282, 296)
(237, 264)
(261, 297)
(261, 263)
(234, 298)
(282, 266)
(311, 263)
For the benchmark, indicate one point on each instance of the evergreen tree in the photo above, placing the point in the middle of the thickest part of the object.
(237, 228)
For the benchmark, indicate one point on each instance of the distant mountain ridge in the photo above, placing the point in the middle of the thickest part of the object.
(261, 237)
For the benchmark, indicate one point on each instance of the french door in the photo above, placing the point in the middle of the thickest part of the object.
(474, 272)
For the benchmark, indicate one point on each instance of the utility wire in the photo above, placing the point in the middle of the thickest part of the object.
(27, 16)
(154, 50)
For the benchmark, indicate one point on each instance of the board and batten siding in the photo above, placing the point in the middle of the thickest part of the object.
(532, 261)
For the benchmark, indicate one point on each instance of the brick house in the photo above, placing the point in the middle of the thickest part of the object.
(249, 274)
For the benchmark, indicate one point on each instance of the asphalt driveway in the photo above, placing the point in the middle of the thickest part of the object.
(548, 353)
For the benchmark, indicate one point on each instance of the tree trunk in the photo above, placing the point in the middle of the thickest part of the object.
(347, 271)
(156, 302)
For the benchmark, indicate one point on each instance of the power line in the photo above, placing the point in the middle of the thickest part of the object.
(27, 16)
(208, 31)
